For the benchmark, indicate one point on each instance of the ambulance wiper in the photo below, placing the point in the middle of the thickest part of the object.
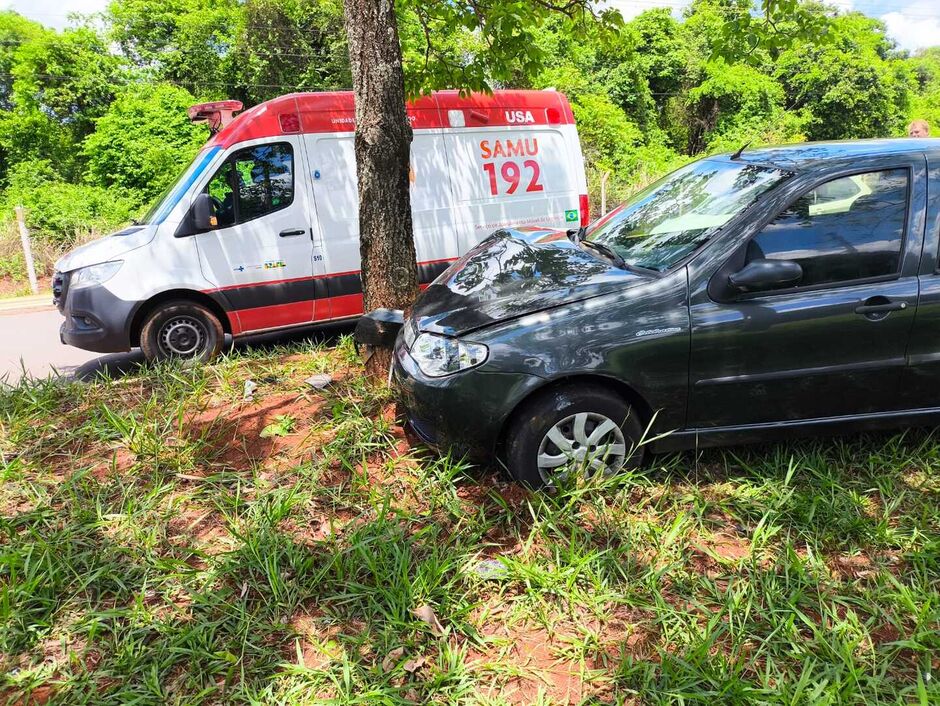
(576, 236)
(607, 251)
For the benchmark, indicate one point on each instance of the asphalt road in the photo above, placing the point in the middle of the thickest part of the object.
(29, 341)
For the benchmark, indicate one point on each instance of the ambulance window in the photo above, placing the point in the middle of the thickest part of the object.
(220, 189)
(253, 182)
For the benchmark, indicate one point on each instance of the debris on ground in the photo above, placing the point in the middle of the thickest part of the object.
(319, 380)
(489, 569)
(250, 387)
(426, 614)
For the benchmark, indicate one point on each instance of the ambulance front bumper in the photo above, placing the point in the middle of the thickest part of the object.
(95, 319)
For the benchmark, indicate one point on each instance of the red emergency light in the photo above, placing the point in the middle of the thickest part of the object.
(216, 115)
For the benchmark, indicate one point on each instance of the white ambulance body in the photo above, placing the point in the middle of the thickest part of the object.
(261, 231)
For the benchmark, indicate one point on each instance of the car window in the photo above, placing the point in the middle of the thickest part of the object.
(662, 224)
(253, 182)
(847, 229)
(837, 196)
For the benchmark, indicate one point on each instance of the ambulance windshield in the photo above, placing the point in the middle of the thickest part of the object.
(171, 196)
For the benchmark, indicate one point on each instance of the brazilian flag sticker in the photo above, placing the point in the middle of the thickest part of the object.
(572, 215)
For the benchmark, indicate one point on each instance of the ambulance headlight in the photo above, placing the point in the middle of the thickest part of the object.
(95, 274)
(438, 356)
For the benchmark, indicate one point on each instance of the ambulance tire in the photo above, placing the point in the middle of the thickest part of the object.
(181, 330)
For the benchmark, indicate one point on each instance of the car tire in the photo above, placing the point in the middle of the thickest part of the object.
(572, 414)
(182, 330)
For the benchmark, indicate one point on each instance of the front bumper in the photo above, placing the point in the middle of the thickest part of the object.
(462, 413)
(95, 319)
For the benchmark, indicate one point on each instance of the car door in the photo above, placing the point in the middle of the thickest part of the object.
(260, 254)
(832, 343)
(921, 380)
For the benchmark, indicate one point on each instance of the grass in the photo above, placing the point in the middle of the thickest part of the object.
(157, 547)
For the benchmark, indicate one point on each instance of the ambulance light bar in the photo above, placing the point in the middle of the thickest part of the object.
(216, 115)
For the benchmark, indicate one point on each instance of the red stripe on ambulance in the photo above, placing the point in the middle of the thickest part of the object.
(335, 111)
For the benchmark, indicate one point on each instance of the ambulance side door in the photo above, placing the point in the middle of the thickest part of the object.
(259, 255)
(331, 159)
(432, 205)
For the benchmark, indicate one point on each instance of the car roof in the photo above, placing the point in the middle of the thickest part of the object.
(803, 156)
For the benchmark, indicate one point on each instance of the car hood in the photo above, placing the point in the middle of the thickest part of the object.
(513, 273)
(110, 247)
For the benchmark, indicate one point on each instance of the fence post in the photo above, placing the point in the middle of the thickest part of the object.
(27, 250)
(604, 178)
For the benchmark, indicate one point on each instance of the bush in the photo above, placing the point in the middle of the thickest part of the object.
(778, 128)
(143, 141)
(613, 143)
(732, 99)
(12, 262)
(59, 212)
(848, 95)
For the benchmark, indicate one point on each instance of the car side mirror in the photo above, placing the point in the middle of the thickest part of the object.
(761, 275)
(202, 212)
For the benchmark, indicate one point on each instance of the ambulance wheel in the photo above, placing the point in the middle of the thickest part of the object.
(181, 330)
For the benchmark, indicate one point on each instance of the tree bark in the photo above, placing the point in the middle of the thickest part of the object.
(383, 145)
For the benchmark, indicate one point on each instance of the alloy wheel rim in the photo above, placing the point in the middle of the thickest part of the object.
(183, 337)
(586, 441)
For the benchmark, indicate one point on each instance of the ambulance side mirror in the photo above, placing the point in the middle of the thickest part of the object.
(202, 213)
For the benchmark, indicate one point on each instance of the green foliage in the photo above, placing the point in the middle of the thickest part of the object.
(59, 211)
(13, 267)
(143, 141)
(731, 99)
(156, 551)
(105, 104)
(612, 143)
(662, 51)
(848, 93)
(53, 87)
(28, 134)
(252, 50)
(746, 35)
(290, 45)
(474, 46)
(607, 134)
(925, 103)
(183, 41)
(70, 76)
(15, 30)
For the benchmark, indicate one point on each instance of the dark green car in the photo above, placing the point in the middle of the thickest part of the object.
(780, 291)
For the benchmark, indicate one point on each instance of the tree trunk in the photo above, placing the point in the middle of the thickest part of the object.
(383, 143)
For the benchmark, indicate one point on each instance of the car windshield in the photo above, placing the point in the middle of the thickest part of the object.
(170, 196)
(670, 219)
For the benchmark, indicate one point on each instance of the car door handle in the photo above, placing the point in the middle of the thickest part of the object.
(885, 307)
(291, 232)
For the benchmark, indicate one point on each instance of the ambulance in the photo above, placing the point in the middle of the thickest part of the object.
(261, 231)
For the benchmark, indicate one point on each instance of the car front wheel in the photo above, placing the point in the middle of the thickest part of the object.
(573, 429)
(182, 330)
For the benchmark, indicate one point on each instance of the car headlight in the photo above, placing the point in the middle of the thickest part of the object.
(438, 356)
(95, 274)
(410, 333)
